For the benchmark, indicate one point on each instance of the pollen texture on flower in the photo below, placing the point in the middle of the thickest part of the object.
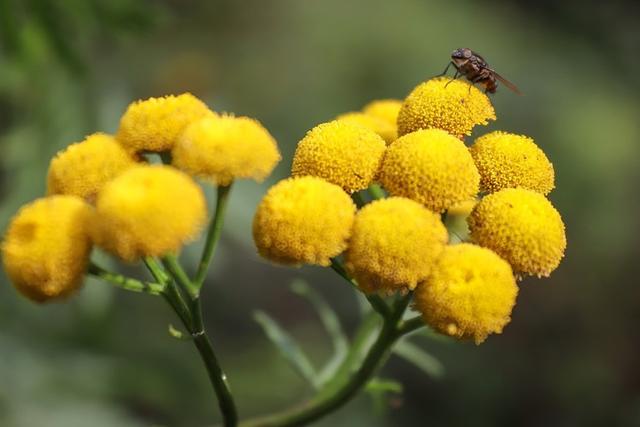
(521, 226)
(442, 103)
(221, 149)
(149, 211)
(394, 245)
(303, 220)
(47, 245)
(155, 123)
(469, 294)
(505, 160)
(385, 109)
(385, 129)
(83, 168)
(431, 167)
(342, 153)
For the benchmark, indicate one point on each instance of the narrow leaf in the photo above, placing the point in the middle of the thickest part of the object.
(178, 334)
(420, 358)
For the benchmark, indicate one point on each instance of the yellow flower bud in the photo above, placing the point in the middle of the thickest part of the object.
(385, 109)
(386, 130)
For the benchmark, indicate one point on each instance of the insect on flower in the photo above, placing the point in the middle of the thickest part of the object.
(473, 66)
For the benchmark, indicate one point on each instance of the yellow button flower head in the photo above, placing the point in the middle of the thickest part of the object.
(84, 167)
(505, 160)
(47, 246)
(521, 226)
(303, 220)
(385, 109)
(394, 245)
(456, 108)
(342, 153)
(386, 130)
(149, 211)
(431, 167)
(155, 124)
(221, 149)
(469, 294)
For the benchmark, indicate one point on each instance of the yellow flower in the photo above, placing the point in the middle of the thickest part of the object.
(221, 149)
(342, 153)
(47, 247)
(505, 160)
(386, 130)
(442, 103)
(463, 208)
(303, 220)
(469, 294)
(84, 167)
(149, 211)
(431, 167)
(155, 124)
(394, 245)
(521, 226)
(385, 109)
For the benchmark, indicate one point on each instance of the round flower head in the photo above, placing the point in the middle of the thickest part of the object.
(47, 246)
(469, 294)
(385, 109)
(442, 103)
(342, 153)
(521, 226)
(155, 124)
(505, 160)
(84, 167)
(431, 167)
(221, 149)
(385, 129)
(394, 245)
(149, 211)
(303, 220)
(463, 208)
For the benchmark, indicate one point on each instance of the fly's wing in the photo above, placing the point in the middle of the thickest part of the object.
(507, 83)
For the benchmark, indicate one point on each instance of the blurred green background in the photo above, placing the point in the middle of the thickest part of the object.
(570, 357)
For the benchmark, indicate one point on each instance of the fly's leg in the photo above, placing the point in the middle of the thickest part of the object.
(446, 69)
(455, 76)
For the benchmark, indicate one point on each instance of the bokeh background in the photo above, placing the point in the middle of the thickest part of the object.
(570, 357)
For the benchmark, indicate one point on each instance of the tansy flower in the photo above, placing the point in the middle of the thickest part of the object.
(469, 294)
(155, 124)
(149, 211)
(431, 167)
(505, 160)
(462, 208)
(47, 246)
(83, 168)
(385, 129)
(303, 220)
(442, 103)
(394, 245)
(342, 153)
(221, 149)
(385, 109)
(521, 226)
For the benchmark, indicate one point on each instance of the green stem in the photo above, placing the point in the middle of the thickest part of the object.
(171, 264)
(125, 282)
(376, 301)
(411, 325)
(376, 192)
(358, 199)
(213, 235)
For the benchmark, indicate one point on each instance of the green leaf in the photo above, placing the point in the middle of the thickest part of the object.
(385, 385)
(420, 358)
(288, 347)
(178, 334)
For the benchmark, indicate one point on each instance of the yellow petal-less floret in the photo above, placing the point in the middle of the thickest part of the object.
(149, 211)
(431, 167)
(385, 109)
(521, 226)
(394, 245)
(506, 160)
(455, 106)
(303, 220)
(221, 149)
(83, 168)
(342, 153)
(156, 123)
(386, 130)
(470, 293)
(47, 246)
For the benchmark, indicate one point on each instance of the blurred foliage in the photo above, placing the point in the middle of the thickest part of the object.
(570, 355)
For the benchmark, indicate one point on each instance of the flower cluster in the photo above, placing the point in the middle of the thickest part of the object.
(415, 150)
(106, 191)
